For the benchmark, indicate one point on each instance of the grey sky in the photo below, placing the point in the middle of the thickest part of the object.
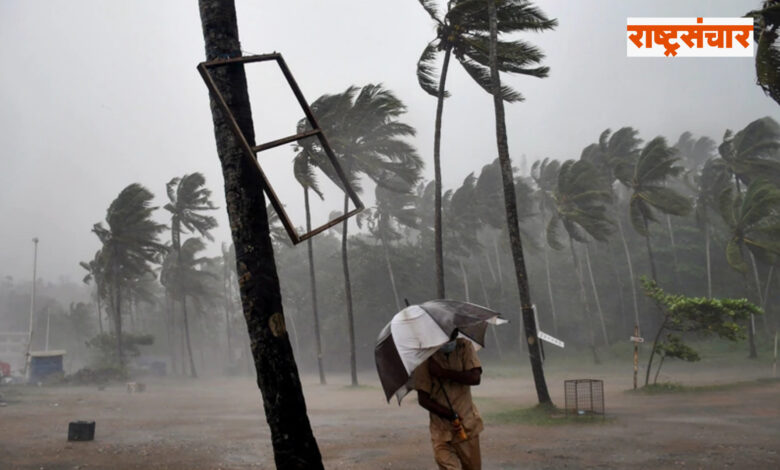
(95, 95)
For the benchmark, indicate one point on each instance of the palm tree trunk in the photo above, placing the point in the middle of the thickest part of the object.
(766, 300)
(620, 288)
(510, 204)
(674, 251)
(465, 280)
(99, 310)
(758, 293)
(386, 252)
(709, 262)
(437, 178)
(193, 374)
(596, 296)
(584, 300)
(169, 330)
(650, 251)
(313, 284)
(549, 280)
(118, 325)
(277, 374)
(631, 276)
(348, 296)
(487, 304)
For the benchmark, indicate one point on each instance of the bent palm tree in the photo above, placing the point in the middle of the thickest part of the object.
(464, 31)
(646, 177)
(710, 185)
(95, 273)
(129, 247)
(527, 17)
(189, 198)
(766, 23)
(545, 174)
(580, 200)
(753, 152)
(754, 222)
(363, 128)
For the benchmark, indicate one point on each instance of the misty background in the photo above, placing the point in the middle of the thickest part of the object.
(85, 110)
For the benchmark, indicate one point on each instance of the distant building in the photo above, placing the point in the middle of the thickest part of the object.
(45, 364)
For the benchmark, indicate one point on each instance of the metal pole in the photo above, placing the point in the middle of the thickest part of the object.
(32, 305)
(48, 320)
(636, 354)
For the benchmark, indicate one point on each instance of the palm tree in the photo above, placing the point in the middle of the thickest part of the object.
(647, 177)
(392, 210)
(580, 203)
(710, 184)
(754, 222)
(694, 153)
(463, 31)
(95, 273)
(277, 374)
(189, 198)
(526, 17)
(766, 22)
(545, 175)
(183, 276)
(363, 127)
(129, 247)
(753, 152)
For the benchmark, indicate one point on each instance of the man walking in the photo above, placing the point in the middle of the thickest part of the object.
(443, 385)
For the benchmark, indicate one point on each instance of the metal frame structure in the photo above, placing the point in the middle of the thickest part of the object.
(584, 396)
(252, 151)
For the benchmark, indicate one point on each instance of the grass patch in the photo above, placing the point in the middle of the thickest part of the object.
(541, 415)
(674, 387)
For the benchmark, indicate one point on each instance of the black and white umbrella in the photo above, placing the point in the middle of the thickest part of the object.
(418, 331)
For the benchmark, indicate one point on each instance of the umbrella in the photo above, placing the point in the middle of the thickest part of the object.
(418, 331)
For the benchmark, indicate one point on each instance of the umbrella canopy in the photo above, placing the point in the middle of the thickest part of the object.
(418, 331)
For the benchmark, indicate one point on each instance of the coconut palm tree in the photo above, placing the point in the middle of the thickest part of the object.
(95, 273)
(545, 175)
(463, 31)
(189, 198)
(754, 222)
(580, 203)
(753, 152)
(183, 277)
(364, 130)
(129, 248)
(647, 177)
(766, 22)
(277, 373)
(710, 185)
(526, 17)
(392, 211)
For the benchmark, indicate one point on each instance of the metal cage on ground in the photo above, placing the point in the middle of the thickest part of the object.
(584, 397)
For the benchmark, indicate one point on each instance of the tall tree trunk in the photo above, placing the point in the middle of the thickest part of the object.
(620, 288)
(709, 263)
(650, 251)
(386, 251)
(510, 203)
(437, 235)
(674, 251)
(99, 310)
(313, 284)
(631, 276)
(584, 300)
(465, 280)
(348, 297)
(277, 374)
(549, 278)
(118, 325)
(193, 373)
(596, 296)
(169, 330)
(487, 304)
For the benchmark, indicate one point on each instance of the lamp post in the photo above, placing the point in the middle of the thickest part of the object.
(32, 304)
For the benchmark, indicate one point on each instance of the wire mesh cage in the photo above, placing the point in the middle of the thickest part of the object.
(584, 397)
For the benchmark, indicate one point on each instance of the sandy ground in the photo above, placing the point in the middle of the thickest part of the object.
(218, 424)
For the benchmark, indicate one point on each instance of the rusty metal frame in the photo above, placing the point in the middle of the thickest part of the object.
(252, 151)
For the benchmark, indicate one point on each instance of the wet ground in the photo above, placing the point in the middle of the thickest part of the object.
(218, 424)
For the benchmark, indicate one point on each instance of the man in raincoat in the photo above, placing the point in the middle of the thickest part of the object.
(443, 385)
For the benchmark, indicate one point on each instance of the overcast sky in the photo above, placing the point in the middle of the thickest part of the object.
(95, 95)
